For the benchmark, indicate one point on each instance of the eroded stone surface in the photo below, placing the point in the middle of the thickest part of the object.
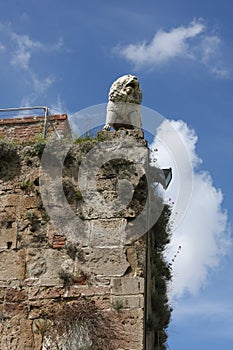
(107, 233)
(11, 266)
(127, 286)
(8, 234)
(106, 261)
(42, 267)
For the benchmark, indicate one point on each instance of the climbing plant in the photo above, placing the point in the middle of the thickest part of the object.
(159, 318)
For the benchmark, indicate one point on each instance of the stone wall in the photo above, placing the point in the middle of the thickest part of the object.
(48, 278)
(69, 287)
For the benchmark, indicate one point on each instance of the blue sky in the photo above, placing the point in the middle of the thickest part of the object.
(65, 54)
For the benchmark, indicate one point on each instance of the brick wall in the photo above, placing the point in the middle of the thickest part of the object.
(31, 128)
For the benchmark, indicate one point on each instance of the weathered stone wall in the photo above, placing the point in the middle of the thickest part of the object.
(26, 129)
(44, 272)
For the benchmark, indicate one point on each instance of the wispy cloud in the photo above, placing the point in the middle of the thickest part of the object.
(2, 47)
(203, 233)
(59, 107)
(216, 312)
(21, 48)
(24, 49)
(204, 308)
(191, 42)
(41, 85)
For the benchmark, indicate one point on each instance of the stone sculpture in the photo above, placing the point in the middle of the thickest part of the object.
(124, 104)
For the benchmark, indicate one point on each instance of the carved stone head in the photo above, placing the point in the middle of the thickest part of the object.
(126, 89)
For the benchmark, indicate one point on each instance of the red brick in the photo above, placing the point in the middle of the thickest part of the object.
(56, 246)
(26, 128)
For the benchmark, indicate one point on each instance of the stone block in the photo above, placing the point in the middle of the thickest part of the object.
(128, 301)
(4, 284)
(36, 293)
(10, 334)
(43, 308)
(15, 295)
(36, 263)
(46, 264)
(37, 341)
(48, 282)
(31, 282)
(6, 213)
(15, 310)
(2, 293)
(102, 302)
(29, 202)
(11, 265)
(107, 233)
(1, 312)
(106, 261)
(10, 200)
(136, 258)
(127, 286)
(17, 335)
(86, 290)
(132, 321)
(8, 235)
(26, 336)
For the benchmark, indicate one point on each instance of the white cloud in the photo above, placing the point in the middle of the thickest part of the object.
(202, 236)
(185, 42)
(164, 46)
(203, 233)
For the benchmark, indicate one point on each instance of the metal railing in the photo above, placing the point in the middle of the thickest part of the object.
(47, 119)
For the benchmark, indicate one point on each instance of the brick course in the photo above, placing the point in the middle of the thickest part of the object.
(29, 129)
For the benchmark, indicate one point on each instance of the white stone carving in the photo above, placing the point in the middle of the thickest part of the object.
(124, 104)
